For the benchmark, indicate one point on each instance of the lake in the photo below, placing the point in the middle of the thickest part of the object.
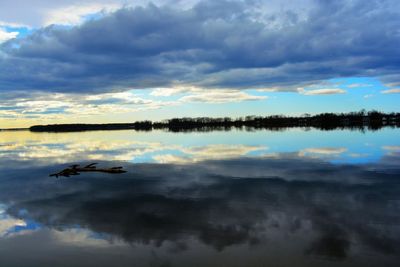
(298, 197)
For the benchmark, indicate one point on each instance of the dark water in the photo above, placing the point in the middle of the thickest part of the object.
(293, 198)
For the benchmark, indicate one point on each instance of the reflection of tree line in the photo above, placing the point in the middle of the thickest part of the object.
(361, 120)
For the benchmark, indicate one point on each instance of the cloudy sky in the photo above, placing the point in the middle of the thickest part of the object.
(120, 61)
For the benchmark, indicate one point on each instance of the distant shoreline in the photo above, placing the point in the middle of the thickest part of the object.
(14, 129)
(372, 120)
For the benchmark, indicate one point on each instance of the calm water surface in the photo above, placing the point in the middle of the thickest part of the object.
(292, 198)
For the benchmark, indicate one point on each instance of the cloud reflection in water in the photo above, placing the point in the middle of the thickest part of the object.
(288, 203)
(163, 147)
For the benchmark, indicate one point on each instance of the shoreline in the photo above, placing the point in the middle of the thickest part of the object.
(372, 120)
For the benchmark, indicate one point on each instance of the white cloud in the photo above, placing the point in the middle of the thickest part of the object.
(73, 15)
(209, 152)
(220, 96)
(7, 223)
(174, 91)
(122, 97)
(51, 107)
(83, 237)
(358, 85)
(359, 155)
(85, 147)
(81, 148)
(391, 91)
(368, 96)
(12, 24)
(325, 91)
(391, 148)
(272, 89)
(5, 35)
(323, 151)
(195, 94)
(44, 106)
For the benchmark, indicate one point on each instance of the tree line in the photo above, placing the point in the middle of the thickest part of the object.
(361, 120)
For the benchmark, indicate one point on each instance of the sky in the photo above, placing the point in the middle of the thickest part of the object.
(99, 61)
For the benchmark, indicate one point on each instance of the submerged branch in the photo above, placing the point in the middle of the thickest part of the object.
(76, 170)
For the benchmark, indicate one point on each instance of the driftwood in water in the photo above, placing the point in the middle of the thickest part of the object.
(76, 170)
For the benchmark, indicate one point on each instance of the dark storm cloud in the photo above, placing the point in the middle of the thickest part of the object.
(213, 44)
